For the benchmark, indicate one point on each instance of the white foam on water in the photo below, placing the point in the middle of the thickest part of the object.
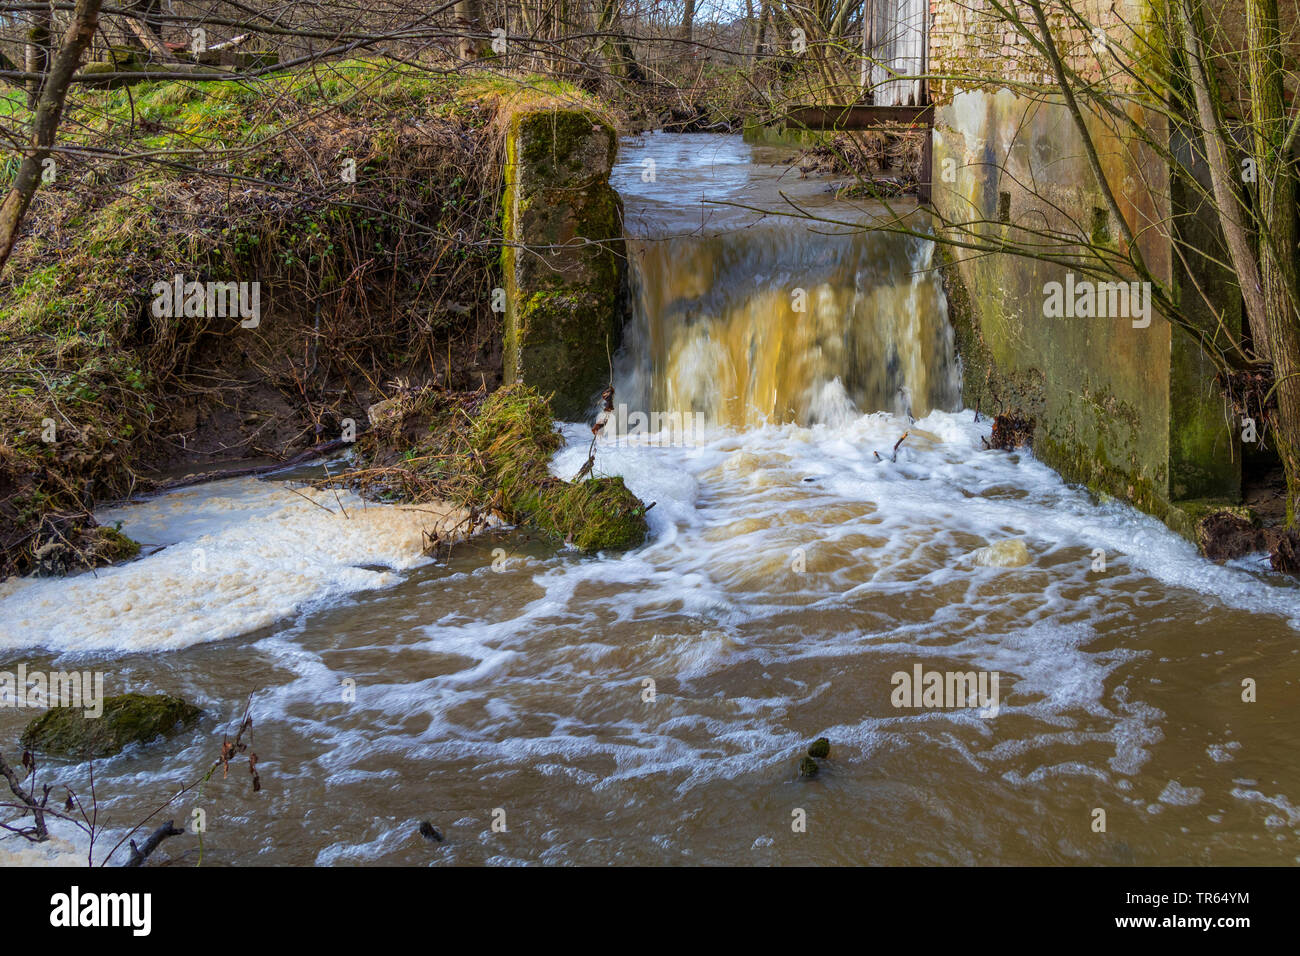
(67, 846)
(551, 681)
(942, 484)
(389, 839)
(237, 555)
(729, 513)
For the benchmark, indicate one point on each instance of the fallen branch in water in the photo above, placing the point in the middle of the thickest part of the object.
(894, 457)
(438, 543)
(315, 452)
(140, 854)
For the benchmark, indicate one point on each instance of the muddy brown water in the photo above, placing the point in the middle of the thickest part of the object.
(539, 706)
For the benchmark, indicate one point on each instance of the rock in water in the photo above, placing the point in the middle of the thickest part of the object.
(127, 719)
(430, 832)
(807, 767)
(1009, 553)
(820, 748)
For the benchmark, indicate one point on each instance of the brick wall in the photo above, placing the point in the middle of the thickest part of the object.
(972, 45)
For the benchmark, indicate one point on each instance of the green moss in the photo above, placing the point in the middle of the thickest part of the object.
(560, 142)
(126, 719)
(1186, 517)
(1094, 469)
(563, 313)
(763, 134)
(114, 546)
(986, 384)
(514, 437)
(563, 340)
(597, 514)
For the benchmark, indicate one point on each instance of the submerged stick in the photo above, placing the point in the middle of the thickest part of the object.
(140, 854)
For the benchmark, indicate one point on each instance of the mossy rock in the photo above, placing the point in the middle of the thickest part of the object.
(493, 453)
(808, 767)
(127, 719)
(598, 514)
(514, 437)
(98, 67)
(820, 748)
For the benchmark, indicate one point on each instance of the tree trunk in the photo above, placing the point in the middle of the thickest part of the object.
(868, 41)
(1225, 176)
(761, 35)
(38, 54)
(622, 60)
(45, 125)
(473, 44)
(148, 12)
(1277, 212)
(688, 21)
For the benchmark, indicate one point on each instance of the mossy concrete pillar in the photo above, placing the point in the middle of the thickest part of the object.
(563, 257)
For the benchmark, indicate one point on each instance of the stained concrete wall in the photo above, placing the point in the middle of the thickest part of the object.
(1133, 412)
(563, 258)
(1129, 411)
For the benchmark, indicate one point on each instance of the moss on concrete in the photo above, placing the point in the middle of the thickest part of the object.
(986, 384)
(779, 134)
(1126, 410)
(563, 259)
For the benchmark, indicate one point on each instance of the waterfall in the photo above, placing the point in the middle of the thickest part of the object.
(777, 323)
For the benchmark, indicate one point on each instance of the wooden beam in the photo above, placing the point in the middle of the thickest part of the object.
(859, 117)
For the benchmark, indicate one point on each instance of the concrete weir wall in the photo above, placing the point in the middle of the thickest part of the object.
(563, 258)
(1130, 411)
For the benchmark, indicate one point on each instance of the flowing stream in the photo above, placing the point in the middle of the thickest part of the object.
(538, 706)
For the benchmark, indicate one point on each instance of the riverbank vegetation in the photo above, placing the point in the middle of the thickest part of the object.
(361, 197)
